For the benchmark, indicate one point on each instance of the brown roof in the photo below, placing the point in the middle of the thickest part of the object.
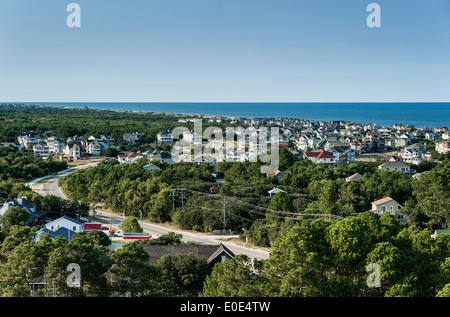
(278, 172)
(319, 154)
(382, 200)
(325, 155)
(312, 154)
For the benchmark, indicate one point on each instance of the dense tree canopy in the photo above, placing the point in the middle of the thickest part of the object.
(20, 166)
(329, 259)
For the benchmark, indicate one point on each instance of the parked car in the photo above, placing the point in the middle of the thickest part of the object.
(106, 231)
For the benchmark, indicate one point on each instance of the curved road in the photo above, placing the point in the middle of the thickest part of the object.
(50, 187)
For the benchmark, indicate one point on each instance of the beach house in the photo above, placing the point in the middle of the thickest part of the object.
(165, 137)
(131, 138)
(132, 157)
(41, 150)
(443, 147)
(387, 204)
(23, 203)
(72, 151)
(321, 157)
(396, 166)
(64, 226)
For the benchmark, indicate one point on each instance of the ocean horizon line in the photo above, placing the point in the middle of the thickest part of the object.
(224, 102)
(417, 114)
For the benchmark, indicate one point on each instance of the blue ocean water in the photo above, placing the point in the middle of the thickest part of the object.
(431, 115)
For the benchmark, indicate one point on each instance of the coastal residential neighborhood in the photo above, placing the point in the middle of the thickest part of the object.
(329, 142)
(120, 197)
(398, 148)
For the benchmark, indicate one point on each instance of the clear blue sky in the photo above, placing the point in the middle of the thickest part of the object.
(224, 50)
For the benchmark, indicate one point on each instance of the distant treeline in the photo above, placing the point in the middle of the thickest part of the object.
(66, 122)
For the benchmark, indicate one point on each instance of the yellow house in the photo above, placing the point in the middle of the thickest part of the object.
(387, 204)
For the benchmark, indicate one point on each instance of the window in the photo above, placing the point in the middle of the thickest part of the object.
(391, 208)
(223, 258)
(74, 228)
(383, 208)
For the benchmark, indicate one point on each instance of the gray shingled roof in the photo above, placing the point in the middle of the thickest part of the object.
(355, 176)
(201, 251)
(394, 164)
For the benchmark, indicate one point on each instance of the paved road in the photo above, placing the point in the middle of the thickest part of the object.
(51, 188)
(158, 230)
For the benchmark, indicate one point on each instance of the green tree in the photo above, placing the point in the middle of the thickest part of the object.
(130, 224)
(445, 292)
(233, 278)
(130, 273)
(56, 270)
(169, 238)
(374, 146)
(94, 262)
(161, 207)
(111, 152)
(281, 202)
(17, 235)
(14, 216)
(17, 273)
(182, 274)
(286, 159)
(96, 237)
(300, 261)
(323, 258)
(432, 193)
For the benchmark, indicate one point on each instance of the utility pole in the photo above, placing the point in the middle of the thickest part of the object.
(182, 199)
(173, 199)
(224, 203)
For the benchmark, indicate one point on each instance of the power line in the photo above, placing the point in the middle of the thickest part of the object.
(269, 212)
